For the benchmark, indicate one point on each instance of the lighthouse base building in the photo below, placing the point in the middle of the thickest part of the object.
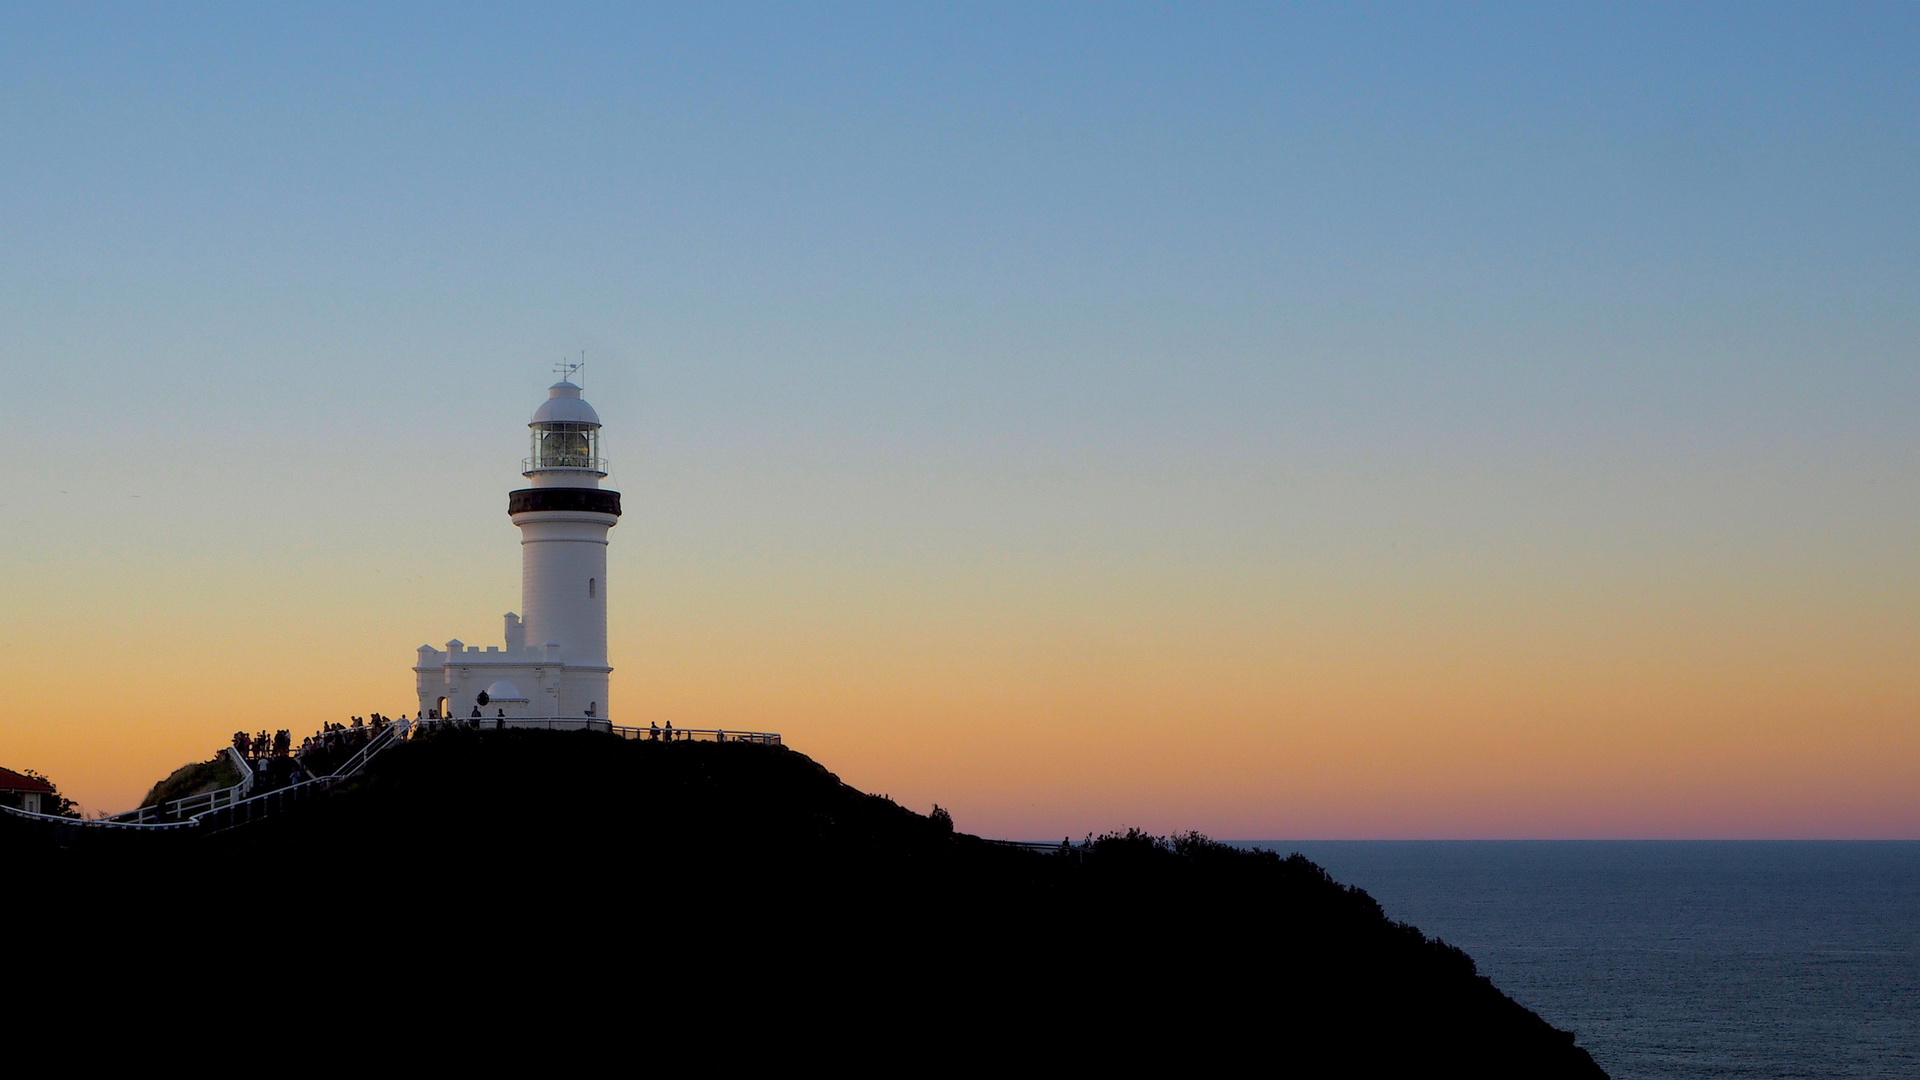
(554, 661)
(519, 680)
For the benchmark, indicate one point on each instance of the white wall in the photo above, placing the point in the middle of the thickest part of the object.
(563, 582)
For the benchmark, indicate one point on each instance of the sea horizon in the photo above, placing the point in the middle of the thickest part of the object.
(1676, 957)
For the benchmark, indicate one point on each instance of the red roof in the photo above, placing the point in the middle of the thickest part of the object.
(13, 781)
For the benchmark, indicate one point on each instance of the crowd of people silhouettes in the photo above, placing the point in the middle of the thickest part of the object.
(276, 762)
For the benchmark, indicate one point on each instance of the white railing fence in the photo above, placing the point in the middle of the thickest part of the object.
(245, 810)
(238, 804)
(231, 805)
(589, 723)
(177, 810)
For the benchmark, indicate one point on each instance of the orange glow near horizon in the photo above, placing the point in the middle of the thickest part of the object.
(1059, 705)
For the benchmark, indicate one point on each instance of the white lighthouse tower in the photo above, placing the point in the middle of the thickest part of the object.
(554, 662)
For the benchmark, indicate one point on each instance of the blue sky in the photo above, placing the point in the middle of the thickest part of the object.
(945, 213)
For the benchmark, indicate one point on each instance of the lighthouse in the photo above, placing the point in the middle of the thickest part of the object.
(553, 663)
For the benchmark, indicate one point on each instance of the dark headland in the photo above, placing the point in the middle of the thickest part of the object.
(753, 870)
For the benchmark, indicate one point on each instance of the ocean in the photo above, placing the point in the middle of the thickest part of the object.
(1677, 958)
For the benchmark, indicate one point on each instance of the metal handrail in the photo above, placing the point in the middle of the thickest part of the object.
(647, 734)
(231, 799)
(97, 822)
(189, 806)
(391, 733)
(388, 735)
(1030, 845)
(328, 740)
(591, 723)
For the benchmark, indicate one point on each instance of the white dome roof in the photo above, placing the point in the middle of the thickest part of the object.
(502, 690)
(564, 405)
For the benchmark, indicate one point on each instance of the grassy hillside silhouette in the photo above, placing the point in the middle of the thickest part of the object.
(752, 872)
(193, 778)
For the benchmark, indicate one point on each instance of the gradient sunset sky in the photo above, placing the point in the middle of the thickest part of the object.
(1278, 421)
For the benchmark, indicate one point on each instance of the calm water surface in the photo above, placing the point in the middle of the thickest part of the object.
(1678, 958)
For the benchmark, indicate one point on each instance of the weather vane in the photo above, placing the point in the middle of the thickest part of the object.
(566, 369)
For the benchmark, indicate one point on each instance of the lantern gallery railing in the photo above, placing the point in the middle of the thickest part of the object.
(588, 723)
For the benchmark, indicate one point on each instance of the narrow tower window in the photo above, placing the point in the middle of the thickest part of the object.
(592, 588)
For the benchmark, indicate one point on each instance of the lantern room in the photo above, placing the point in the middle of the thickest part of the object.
(566, 435)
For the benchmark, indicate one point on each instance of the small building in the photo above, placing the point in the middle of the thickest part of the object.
(28, 793)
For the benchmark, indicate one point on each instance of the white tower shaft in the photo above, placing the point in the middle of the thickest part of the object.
(563, 582)
(563, 520)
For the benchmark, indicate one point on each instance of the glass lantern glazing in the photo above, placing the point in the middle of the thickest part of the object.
(566, 445)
